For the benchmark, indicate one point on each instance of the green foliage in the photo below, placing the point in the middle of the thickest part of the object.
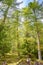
(21, 37)
(34, 5)
(5, 44)
(32, 26)
(8, 2)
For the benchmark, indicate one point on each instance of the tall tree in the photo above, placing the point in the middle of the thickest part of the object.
(36, 8)
(33, 14)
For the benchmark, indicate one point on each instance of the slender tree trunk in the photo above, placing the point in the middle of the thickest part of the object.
(38, 42)
(38, 36)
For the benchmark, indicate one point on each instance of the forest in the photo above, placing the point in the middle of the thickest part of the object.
(21, 33)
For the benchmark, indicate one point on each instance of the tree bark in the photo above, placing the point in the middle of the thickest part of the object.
(38, 43)
(38, 35)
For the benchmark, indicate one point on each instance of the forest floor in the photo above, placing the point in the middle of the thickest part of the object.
(10, 59)
(14, 60)
(12, 64)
